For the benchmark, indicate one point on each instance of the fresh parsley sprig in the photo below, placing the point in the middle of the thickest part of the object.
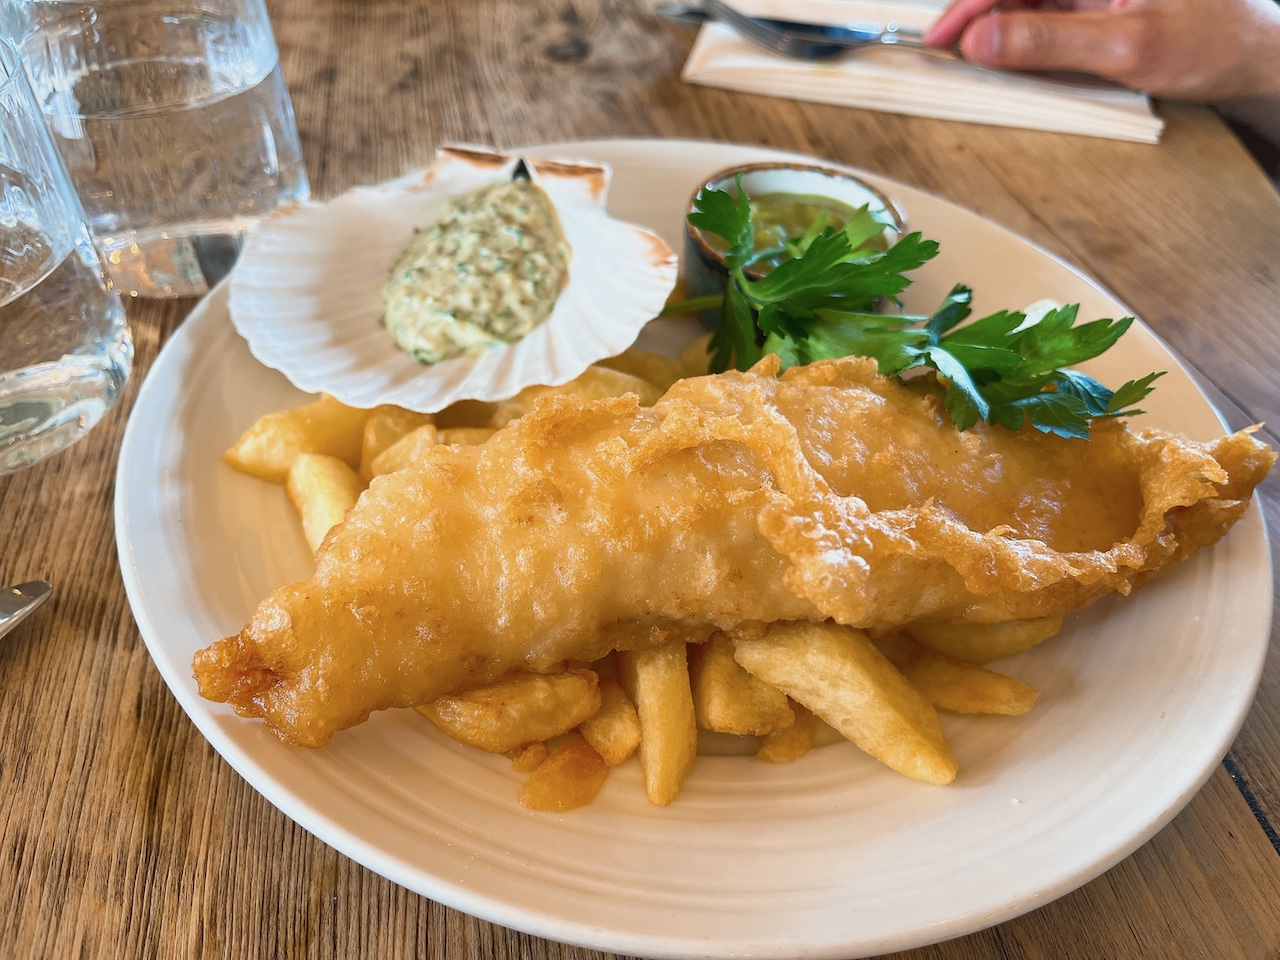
(821, 303)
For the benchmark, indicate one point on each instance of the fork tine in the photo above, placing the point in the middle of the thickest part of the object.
(764, 34)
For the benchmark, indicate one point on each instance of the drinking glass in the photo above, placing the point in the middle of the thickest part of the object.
(174, 121)
(65, 349)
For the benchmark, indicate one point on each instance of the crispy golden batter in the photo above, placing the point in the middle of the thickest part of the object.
(828, 492)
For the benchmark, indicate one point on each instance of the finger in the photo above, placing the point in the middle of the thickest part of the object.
(946, 30)
(1101, 42)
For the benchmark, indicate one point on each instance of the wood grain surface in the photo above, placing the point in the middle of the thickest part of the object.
(124, 835)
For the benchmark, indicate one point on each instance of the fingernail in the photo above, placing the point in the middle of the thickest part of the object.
(982, 41)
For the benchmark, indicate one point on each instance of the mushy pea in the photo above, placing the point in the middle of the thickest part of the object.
(779, 218)
(488, 272)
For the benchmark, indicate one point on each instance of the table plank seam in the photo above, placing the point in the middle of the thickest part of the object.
(1243, 786)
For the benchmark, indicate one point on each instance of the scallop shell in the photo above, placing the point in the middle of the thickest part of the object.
(306, 295)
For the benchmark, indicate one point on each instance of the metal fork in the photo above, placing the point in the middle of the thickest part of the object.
(800, 41)
(18, 603)
(813, 41)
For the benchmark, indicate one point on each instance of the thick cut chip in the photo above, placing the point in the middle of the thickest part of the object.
(517, 709)
(695, 357)
(323, 489)
(983, 642)
(405, 451)
(838, 673)
(959, 686)
(597, 383)
(594, 383)
(466, 413)
(728, 699)
(267, 449)
(614, 731)
(793, 742)
(657, 680)
(570, 777)
(659, 370)
(466, 436)
(386, 425)
(528, 758)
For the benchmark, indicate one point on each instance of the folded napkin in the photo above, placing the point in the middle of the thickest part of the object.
(903, 81)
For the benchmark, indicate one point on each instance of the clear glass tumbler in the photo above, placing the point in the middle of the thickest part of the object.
(65, 349)
(174, 121)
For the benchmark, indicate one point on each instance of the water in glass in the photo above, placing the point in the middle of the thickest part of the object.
(65, 347)
(176, 146)
(67, 330)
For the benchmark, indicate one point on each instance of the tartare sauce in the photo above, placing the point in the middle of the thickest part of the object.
(487, 272)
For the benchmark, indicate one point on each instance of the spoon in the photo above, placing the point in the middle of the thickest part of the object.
(19, 602)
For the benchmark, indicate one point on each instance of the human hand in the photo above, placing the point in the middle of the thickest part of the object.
(1205, 50)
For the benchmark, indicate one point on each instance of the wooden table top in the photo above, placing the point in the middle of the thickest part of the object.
(125, 835)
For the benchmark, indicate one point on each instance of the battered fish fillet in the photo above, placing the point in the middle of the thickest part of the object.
(827, 492)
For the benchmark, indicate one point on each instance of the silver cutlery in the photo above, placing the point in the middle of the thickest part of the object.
(816, 41)
(19, 602)
(800, 41)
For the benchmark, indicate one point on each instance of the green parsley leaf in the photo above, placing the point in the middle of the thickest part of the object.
(1131, 392)
(954, 309)
(835, 333)
(865, 226)
(823, 302)
(734, 340)
(729, 218)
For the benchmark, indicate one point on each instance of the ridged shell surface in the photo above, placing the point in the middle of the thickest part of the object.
(306, 295)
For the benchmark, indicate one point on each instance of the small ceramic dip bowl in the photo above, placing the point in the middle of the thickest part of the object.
(788, 197)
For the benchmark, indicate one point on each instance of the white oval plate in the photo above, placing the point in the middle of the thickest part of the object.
(832, 856)
(307, 292)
